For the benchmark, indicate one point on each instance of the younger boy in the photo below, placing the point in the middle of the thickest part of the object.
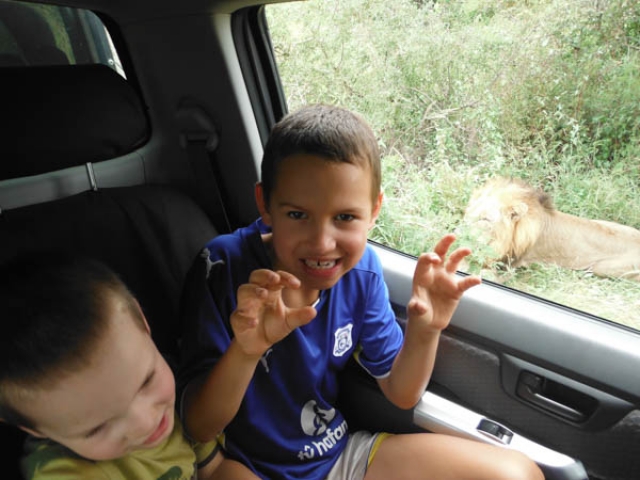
(81, 374)
(263, 364)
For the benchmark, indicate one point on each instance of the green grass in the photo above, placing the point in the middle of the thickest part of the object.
(461, 91)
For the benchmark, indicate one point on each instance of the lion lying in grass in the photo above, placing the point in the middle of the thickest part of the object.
(522, 226)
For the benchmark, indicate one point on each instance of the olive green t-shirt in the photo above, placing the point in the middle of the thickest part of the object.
(174, 459)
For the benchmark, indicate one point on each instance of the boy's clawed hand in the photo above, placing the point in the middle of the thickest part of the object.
(261, 318)
(436, 287)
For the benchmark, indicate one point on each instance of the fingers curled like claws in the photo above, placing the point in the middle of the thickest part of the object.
(442, 247)
(468, 282)
(456, 257)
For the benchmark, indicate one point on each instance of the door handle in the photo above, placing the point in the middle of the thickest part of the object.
(548, 395)
(562, 397)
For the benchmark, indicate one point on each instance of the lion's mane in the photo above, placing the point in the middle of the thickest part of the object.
(521, 224)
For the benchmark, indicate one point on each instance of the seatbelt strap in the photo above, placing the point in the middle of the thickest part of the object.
(201, 148)
(200, 140)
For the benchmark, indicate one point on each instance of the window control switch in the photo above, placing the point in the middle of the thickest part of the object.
(495, 431)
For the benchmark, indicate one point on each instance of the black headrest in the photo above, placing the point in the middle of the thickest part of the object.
(63, 116)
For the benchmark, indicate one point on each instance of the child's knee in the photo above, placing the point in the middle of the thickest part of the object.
(517, 466)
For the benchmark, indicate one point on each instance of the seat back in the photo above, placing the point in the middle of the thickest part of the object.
(74, 124)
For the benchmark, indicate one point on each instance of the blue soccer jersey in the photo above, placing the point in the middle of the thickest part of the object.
(287, 426)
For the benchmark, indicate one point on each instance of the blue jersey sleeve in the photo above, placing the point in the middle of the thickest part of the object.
(209, 299)
(381, 336)
(207, 303)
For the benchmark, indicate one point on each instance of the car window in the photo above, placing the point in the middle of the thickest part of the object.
(36, 34)
(546, 92)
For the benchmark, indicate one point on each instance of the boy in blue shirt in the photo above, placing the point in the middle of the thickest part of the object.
(275, 310)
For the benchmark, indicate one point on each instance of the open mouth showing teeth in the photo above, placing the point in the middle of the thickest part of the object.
(319, 264)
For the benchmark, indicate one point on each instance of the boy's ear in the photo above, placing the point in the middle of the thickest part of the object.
(261, 204)
(144, 319)
(31, 431)
(376, 209)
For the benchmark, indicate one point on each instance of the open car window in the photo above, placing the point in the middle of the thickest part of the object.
(462, 94)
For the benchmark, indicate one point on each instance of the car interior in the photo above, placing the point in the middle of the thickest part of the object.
(139, 138)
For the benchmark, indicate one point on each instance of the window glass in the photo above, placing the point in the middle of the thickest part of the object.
(33, 34)
(462, 92)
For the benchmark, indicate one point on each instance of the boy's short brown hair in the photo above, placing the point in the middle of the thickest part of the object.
(332, 132)
(55, 308)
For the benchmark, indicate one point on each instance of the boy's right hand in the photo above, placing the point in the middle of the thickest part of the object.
(261, 318)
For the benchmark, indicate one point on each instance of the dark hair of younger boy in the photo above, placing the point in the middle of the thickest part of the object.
(51, 327)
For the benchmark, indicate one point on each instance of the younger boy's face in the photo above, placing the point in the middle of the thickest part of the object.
(122, 401)
(320, 213)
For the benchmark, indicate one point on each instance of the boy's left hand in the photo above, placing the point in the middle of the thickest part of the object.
(436, 287)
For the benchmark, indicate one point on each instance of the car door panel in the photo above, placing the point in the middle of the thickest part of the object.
(499, 342)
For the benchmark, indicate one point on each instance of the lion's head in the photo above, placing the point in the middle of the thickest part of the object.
(508, 215)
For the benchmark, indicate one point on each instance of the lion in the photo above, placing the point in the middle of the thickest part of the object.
(522, 226)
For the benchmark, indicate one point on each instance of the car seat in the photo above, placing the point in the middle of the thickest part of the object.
(73, 177)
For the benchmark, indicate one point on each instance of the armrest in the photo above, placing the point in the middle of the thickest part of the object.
(439, 415)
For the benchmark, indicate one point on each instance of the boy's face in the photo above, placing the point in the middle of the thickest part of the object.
(320, 213)
(122, 401)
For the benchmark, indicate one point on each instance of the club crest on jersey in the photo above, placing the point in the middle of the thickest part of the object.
(343, 341)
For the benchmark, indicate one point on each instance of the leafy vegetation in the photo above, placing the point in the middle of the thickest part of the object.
(460, 91)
